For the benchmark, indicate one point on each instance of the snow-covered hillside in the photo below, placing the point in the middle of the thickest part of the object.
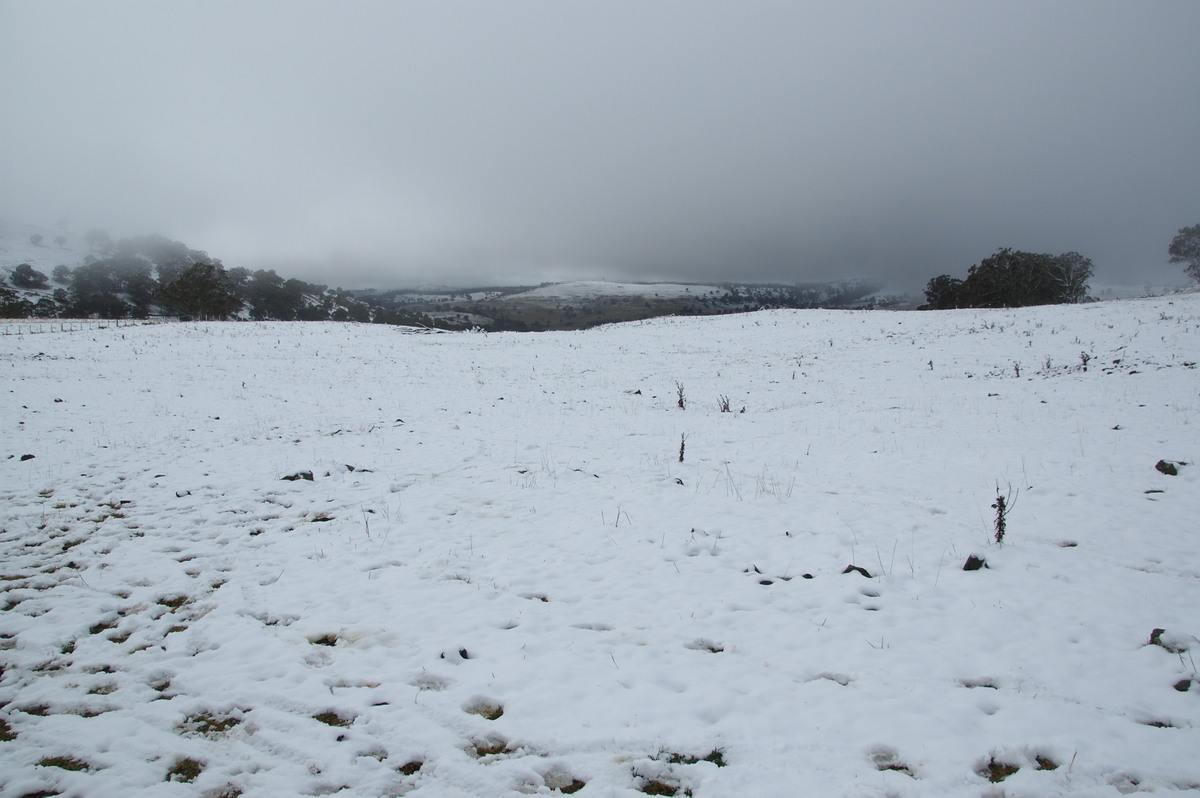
(311, 559)
(597, 289)
(37, 246)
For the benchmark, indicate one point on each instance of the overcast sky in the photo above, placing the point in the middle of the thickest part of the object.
(392, 143)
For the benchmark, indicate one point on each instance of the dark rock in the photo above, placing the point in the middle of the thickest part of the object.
(1183, 685)
(974, 563)
(1172, 643)
(300, 475)
(1168, 468)
(856, 570)
(25, 457)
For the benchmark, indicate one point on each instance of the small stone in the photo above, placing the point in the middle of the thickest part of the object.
(25, 457)
(1167, 467)
(854, 569)
(300, 475)
(974, 563)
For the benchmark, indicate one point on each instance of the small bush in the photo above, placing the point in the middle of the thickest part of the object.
(25, 276)
(1003, 506)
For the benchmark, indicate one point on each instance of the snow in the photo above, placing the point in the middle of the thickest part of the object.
(16, 247)
(502, 571)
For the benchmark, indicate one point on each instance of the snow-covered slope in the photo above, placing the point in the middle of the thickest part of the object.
(17, 246)
(521, 568)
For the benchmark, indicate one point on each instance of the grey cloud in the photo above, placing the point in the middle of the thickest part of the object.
(391, 143)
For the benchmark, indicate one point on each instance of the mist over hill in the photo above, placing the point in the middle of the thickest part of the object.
(57, 272)
(54, 273)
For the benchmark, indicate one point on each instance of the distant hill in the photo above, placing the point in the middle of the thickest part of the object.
(581, 304)
(89, 275)
(65, 273)
(48, 273)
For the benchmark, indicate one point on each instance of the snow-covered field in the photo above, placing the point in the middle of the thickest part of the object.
(502, 580)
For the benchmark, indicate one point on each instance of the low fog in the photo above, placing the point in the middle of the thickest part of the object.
(385, 144)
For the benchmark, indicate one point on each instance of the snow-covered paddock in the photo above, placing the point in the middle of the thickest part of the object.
(501, 579)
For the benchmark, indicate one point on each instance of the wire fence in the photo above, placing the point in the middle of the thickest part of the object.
(40, 326)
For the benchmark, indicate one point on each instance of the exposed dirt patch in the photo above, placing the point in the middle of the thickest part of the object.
(996, 772)
(174, 602)
(184, 770)
(656, 787)
(484, 708)
(64, 762)
(208, 724)
(333, 719)
(492, 746)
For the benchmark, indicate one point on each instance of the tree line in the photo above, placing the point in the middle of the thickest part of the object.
(151, 275)
(1011, 278)
(143, 276)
